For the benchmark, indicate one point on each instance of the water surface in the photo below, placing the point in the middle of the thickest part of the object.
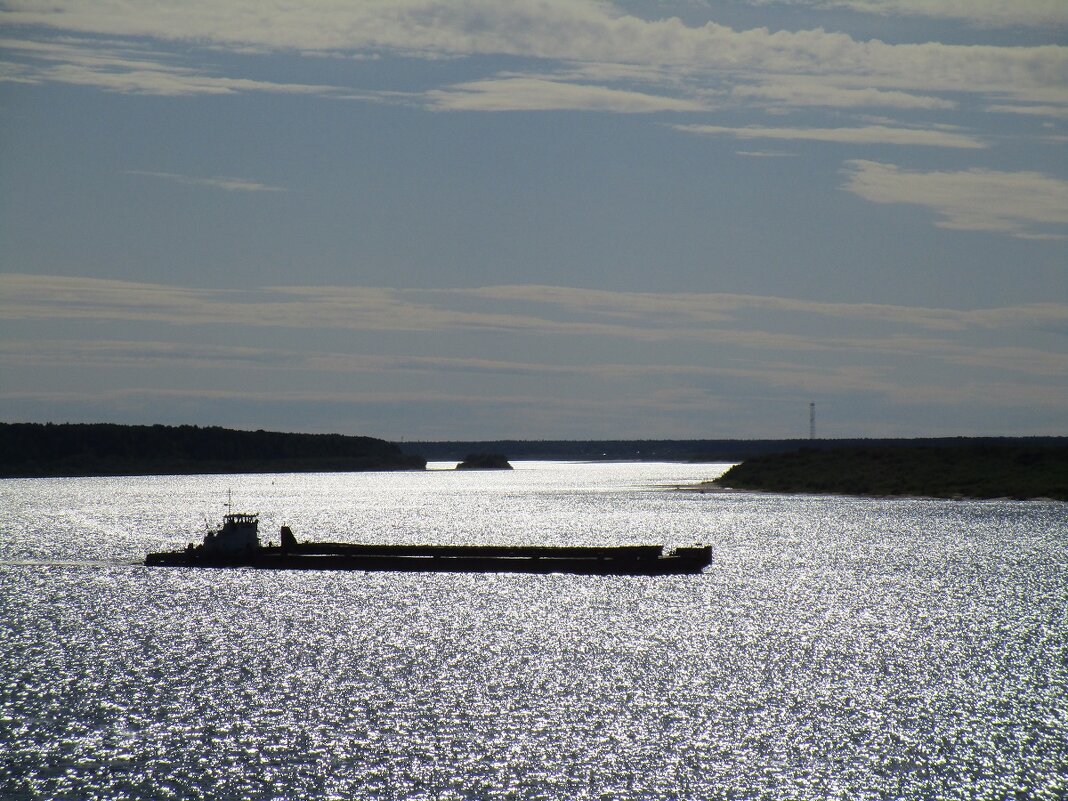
(837, 647)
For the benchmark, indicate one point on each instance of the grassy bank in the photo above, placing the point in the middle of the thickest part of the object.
(967, 471)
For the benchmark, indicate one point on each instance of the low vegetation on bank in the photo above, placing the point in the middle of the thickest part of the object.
(947, 471)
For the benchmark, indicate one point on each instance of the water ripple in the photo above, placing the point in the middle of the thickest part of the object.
(852, 649)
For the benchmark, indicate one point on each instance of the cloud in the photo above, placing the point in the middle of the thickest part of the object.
(986, 13)
(809, 92)
(140, 354)
(546, 309)
(172, 82)
(177, 355)
(665, 387)
(539, 94)
(128, 70)
(1034, 110)
(764, 154)
(220, 182)
(746, 322)
(697, 352)
(563, 31)
(341, 308)
(861, 135)
(566, 90)
(1014, 203)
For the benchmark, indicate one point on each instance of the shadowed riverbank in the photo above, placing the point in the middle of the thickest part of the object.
(31, 450)
(946, 471)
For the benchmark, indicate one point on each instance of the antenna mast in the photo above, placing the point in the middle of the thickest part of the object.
(812, 421)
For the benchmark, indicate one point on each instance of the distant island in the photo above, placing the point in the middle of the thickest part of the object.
(964, 470)
(484, 461)
(33, 450)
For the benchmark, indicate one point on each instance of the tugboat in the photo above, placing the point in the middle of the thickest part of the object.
(237, 544)
(232, 545)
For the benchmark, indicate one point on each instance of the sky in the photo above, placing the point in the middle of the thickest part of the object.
(555, 219)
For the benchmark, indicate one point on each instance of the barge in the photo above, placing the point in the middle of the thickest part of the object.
(237, 544)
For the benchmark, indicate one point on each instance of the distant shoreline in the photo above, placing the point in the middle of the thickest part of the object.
(683, 450)
(36, 450)
(964, 471)
(32, 450)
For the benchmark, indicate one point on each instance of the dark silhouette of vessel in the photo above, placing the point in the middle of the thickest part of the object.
(237, 544)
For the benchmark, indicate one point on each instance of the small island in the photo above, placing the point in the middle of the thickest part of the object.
(1015, 470)
(484, 461)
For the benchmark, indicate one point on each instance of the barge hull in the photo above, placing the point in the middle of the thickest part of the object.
(665, 565)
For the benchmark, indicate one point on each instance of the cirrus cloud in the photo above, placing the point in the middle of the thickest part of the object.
(700, 349)
(229, 184)
(1013, 203)
(985, 13)
(867, 135)
(561, 31)
(539, 94)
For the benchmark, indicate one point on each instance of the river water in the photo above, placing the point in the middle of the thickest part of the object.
(836, 648)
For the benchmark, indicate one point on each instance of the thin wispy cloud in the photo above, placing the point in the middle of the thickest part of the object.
(1030, 110)
(127, 70)
(1020, 204)
(803, 92)
(226, 183)
(764, 154)
(751, 323)
(384, 309)
(726, 307)
(174, 355)
(985, 13)
(807, 379)
(864, 135)
(538, 94)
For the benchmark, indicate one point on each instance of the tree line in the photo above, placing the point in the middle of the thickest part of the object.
(48, 449)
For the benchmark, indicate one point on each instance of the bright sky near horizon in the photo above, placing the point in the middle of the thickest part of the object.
(537, 220)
